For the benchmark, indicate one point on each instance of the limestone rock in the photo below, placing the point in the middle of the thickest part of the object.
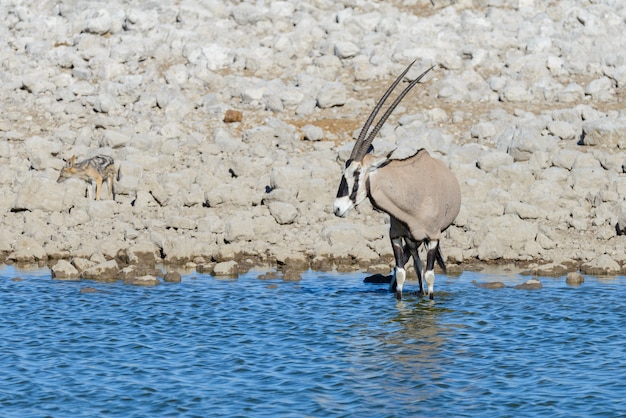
(226, 268)
(172, 277)
(574, 278)
(106, 271)
(284, 213)
(64, 270)
(606, 131)
(143, 281)
(601, 265)
(532, 284)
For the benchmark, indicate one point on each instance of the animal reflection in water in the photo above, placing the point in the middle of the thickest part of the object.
(420, 194)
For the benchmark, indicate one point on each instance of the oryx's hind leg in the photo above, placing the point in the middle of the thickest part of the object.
(413, 247)
(401, 255)
(432, 255)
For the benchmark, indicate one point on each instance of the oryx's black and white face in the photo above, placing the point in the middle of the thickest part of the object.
(352, 189)
(361, 164)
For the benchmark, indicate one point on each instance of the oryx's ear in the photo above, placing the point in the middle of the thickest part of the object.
(378, 162)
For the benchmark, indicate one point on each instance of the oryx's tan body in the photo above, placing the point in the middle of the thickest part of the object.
(420, 192)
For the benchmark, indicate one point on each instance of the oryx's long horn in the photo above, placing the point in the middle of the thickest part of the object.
(364, 145)
(358, 150)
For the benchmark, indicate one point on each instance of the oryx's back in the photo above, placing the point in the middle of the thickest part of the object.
(420, 191)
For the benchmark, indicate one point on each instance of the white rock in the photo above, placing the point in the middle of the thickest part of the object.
(331, 94)
(284, 213)
(98, 21)
(346, 49)
(492, 160)
(312, 132)
(605, 132)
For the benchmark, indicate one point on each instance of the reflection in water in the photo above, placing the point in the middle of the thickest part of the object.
(418, 339)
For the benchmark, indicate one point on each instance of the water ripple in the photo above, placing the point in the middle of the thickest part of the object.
(328, 345)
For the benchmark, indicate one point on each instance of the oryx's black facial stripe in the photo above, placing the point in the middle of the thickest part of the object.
(355, 186)
(348, 162)
(343, 188)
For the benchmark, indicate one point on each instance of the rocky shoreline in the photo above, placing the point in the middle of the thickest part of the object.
(229, 123)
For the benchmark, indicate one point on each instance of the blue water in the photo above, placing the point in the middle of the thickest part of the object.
(328, 345)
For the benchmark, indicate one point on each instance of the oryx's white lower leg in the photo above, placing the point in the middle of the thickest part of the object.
(430, 282)
(399, 276)
(429, 276)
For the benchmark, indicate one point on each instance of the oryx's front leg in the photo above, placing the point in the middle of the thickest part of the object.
(429, 276)
(400, 253)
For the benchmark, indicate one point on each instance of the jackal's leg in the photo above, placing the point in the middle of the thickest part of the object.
(429, 276)
(400, 253)
(98, 181)
(110, 183)
(413, 247)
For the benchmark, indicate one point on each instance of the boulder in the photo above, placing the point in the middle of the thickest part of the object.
(574, 278)
(532, 284)
(284, 213)
(608, 132)
(226, 268)
(172, 277)
(602, 265)
(331, 94)
(28, 250)
(143, 281)
(64, 270)
(106, 271)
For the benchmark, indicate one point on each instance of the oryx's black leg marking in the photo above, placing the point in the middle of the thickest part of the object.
(431, 255)
(401, 256)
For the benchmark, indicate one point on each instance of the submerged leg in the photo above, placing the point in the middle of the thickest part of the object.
(429, 276)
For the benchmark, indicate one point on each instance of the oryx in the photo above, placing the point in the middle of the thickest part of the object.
(420, 194)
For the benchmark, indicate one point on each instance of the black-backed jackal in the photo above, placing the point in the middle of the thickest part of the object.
(93, 170)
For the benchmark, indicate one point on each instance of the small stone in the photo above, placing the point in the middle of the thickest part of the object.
(531, 284)
(64, 270)
(346, 49)
(225, 268)
(106, 271)
(232, 116)
(284, 213)
(312, 133)
(147, 280)
(270, 275)
(574, 278)
(172, 277)
(331, 94)
(489, 285)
